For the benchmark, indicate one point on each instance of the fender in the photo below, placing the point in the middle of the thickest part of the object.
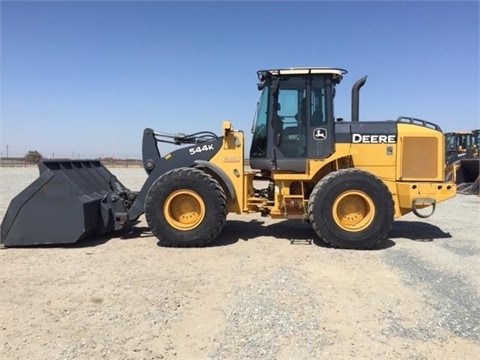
(221, 174)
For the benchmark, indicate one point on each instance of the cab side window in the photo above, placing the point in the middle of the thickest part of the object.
(318, 105)
(291, 117)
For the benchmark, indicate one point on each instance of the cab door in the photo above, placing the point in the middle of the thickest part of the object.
(302, 121)
(321, 131)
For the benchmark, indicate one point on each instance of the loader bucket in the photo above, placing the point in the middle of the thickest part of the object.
(71, 200)
(468, 170)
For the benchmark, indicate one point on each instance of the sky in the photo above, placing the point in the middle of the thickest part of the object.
(84, 78)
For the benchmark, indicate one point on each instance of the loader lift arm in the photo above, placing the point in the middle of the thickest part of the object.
(181, 139)
(150, 152)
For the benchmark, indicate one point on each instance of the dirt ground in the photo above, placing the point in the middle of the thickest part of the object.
(252, 294)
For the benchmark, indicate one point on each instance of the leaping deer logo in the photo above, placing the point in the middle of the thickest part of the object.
(320, 134)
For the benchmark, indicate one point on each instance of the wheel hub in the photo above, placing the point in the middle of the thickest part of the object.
(353, 210)
(184, 209)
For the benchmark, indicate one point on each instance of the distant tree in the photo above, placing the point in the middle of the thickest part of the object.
(108, 160)
(33, 157)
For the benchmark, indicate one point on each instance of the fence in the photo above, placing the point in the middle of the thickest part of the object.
(110, 162)
(14, 162)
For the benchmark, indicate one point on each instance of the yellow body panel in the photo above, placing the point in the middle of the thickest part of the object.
(231, 160)
(378, 159)
(406, 192)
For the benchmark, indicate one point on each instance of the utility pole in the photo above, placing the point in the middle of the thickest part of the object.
(7, 151)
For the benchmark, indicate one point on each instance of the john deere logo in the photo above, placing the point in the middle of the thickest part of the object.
(373, 139)
(320, 134)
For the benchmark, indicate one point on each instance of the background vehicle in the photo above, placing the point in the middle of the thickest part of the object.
(462, 149)
(462, 145)
(348, 179)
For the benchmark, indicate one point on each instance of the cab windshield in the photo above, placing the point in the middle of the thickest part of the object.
(259, 130)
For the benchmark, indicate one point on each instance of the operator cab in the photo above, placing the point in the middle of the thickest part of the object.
(294, 120)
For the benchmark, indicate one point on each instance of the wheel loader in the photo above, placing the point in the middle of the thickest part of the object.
(348, 179)
(462, 150)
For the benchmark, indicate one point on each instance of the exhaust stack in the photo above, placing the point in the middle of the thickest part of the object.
(356, 97)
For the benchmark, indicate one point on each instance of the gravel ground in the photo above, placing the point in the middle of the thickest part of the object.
(252, 294)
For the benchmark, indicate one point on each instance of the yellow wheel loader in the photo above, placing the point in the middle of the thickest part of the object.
(349, 179)
(462, 152)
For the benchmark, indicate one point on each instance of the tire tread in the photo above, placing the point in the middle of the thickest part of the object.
(217, 193)
(322, 186)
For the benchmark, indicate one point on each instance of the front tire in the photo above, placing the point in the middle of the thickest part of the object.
(351, 209)
(185, 207)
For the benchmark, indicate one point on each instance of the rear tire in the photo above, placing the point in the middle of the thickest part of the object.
(185, 207)
(351, 209)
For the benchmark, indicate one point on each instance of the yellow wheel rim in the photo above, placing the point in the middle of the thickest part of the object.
(184, 209)
(353, 210)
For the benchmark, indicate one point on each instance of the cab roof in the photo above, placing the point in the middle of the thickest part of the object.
(305, 70)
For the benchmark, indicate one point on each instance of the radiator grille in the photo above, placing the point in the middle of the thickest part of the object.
(420, 158)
